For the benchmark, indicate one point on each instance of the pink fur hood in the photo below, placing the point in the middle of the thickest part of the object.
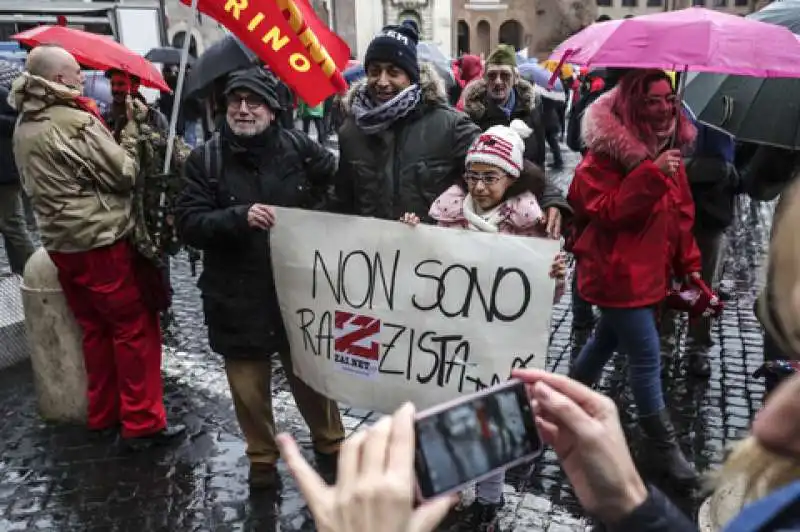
(604, 133)
(520, 215)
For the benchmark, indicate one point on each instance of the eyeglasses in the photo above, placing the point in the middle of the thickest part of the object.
(251, 101)
(503, 75)
(488, 179)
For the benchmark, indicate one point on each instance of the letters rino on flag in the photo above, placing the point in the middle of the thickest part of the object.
(289, 37)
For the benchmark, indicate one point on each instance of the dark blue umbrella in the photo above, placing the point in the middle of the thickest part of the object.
(354, 74)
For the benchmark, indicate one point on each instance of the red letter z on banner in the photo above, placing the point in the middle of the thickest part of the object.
(289, 37)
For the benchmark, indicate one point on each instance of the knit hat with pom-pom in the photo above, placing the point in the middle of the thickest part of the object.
(501, 146)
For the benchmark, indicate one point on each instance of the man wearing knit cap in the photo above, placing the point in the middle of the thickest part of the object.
(401, 144)
(226, 209)
(501, 96)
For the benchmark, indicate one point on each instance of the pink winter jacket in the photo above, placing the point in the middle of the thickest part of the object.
(520, 215)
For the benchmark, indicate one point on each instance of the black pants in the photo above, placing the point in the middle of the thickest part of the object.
(551, 136)
(319, 125)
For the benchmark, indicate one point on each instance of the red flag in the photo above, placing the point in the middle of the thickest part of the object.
(289, 37)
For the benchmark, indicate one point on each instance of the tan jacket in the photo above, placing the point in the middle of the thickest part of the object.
(79, 179)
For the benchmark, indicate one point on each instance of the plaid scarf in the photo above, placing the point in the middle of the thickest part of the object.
(372, 118)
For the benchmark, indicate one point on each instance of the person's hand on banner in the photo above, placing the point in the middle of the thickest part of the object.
(261, 216)
(553, 227)
(584, 430)
(558, 270)
(376, 479)
(410, 218)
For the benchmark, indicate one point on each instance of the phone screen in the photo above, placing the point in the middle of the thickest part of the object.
(469, 439)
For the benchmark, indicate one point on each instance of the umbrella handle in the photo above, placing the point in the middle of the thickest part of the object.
(727, 109)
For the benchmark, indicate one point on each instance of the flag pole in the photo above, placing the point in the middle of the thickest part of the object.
(177, 100)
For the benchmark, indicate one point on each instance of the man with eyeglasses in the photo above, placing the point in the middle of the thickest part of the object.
(502, 96)
(226, 210)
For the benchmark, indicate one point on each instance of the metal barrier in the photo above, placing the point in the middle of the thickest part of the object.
(13, 339)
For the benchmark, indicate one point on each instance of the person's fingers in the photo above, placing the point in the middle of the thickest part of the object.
(430, 514)
(582, 395)
(310, 483)
(349, 460)
(373, 460)
(556, 407)
(400, 459)
(548, 431)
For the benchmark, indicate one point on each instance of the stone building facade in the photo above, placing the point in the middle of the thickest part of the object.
(535, 25)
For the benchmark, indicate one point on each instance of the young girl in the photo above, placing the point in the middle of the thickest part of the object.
(497, 195)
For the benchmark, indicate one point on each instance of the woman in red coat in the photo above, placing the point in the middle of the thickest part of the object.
(634, 214)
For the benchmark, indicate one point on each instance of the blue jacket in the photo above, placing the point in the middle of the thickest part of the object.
(777, 512)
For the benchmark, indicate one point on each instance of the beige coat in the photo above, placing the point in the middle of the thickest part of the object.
(79, 179)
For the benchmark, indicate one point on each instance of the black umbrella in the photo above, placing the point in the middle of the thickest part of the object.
(219, 59)
(758, 110)
(166, 55)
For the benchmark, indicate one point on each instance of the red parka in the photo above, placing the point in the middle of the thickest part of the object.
(633, 222)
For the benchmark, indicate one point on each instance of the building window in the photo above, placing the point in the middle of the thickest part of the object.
(630, 3)
(742, 3)
(720, 3)
(698, 2)
(655, 3)
(604, 3)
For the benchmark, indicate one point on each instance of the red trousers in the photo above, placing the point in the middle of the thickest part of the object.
(121, 337)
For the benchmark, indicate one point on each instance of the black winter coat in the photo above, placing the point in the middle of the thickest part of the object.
(279, 168)
(405, 168)
(9, 175)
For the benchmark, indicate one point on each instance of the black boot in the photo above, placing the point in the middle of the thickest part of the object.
(662, 454)
(697, 361)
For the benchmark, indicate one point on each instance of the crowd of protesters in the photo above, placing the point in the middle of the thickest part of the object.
(648, 206)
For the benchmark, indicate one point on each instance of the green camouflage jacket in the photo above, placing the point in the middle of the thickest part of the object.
(155, 234)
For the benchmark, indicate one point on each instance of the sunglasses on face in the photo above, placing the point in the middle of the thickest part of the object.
(488, 179)
(503, 76)
(251, 101)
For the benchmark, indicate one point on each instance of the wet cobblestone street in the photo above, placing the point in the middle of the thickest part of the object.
(56, 478)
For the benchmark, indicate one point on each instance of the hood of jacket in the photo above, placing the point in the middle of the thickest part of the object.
(430, 83)
(475, 97)
(31, 94)
(604, 133)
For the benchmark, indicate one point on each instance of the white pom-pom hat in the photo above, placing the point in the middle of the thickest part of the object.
(501, 146)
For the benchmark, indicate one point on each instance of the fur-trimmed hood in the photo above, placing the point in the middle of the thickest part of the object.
(430, 83)
(603, 132)
(475, 97)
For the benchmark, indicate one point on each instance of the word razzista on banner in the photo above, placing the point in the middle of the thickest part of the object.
(378, 313)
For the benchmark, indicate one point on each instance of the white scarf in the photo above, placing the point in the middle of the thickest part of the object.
(486, 221)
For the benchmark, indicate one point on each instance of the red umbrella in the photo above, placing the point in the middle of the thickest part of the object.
(96, 51)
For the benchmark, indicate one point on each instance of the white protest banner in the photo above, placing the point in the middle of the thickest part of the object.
(379, 313)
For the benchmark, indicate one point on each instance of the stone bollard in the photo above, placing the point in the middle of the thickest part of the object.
(55, 341)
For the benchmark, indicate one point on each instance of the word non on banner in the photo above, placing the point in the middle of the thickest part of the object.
(379, 313)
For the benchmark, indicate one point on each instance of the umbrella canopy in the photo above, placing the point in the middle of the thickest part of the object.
(762, 111)
(353, 74)
(539, 75)
(430, 53)
(166, 55)
(95, 51)
(695, 39)
(220, 59)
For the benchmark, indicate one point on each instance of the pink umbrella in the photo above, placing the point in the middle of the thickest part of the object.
(694, 39)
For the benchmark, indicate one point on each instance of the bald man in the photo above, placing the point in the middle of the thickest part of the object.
(81, 186)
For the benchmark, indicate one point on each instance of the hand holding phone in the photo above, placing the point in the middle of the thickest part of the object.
(375, 484)
(473, 437)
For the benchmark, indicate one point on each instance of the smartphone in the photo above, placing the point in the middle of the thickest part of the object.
(471, 438)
